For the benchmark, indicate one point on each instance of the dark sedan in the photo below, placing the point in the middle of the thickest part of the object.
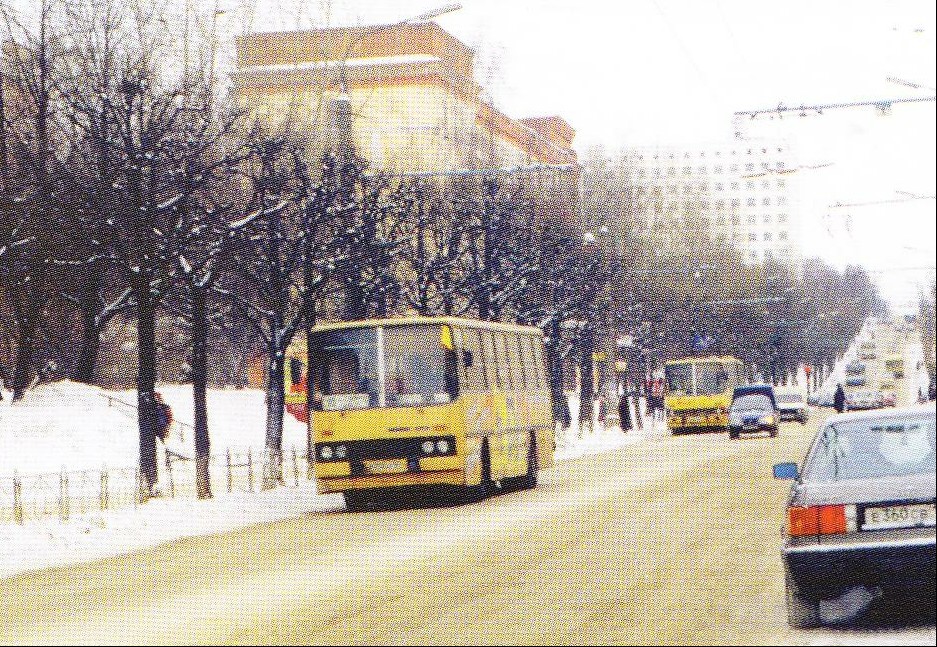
(861, 515)
(753, 409)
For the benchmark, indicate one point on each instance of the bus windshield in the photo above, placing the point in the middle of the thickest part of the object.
(711, 378)
(679, 378)
(395, 366)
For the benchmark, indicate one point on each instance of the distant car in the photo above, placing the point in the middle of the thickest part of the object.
(855, 368)
(813, 399)
(867, 354)
(855, 380)
(864, 400)
(889, 399)
(753, 409)
(860, 518)
(825, 399)
(792, 404)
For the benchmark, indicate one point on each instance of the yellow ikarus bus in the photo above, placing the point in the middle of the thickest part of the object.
(425, 401)
(894, 364)
(699, 392)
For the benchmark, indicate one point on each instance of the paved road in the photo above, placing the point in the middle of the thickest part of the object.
(673, 540)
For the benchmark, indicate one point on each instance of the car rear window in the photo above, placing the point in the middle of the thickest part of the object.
(873, 448)
(790, 397)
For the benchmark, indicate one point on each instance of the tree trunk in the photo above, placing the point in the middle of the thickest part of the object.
(555, 368)
(24, 358)
(273, 453)
(586, 386)
(146, 384)
(199, 387)
(90, 335)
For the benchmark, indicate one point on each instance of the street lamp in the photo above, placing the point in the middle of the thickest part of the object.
(342, 102)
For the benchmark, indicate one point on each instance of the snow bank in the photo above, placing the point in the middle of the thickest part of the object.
(72, 426)
(48, 543)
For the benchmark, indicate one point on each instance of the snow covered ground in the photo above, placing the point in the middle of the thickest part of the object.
(78, 427)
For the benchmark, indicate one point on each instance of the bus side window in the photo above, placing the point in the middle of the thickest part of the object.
(501, 355)
(475, 379)
(530, 364)
(514, 359)
(538, 359)
(491, 366)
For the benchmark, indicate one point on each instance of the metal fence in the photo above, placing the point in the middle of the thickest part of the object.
(64, 494)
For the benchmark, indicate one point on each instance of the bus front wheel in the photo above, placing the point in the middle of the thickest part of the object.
(356, 500)
(473, 493)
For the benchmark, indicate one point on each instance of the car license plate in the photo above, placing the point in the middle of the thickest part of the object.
(395, 466)
(899, 516)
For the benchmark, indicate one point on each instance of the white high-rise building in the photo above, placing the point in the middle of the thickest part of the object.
(744, 192)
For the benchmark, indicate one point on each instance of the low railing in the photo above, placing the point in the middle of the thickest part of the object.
(65, 494)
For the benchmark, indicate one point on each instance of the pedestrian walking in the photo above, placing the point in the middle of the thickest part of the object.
(839, 399)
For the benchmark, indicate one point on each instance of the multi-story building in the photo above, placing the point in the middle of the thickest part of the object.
(415, 105)
(742, 192)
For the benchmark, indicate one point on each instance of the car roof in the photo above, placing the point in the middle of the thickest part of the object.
(882, 414)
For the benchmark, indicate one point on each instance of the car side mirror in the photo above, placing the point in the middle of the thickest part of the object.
(786, 471)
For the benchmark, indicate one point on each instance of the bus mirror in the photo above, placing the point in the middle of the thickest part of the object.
(445, 338)
(468, 359)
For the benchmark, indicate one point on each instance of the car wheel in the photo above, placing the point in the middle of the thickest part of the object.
(733, 435)
(802, 613)
(773, 432)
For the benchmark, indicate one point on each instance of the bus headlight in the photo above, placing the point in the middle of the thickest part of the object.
(427, 447)
(325, 452)
(341, 451)
(768, 420)
(442, 446)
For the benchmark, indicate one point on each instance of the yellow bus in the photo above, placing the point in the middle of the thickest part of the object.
(699, 392)
(424, 401)
(894, 364)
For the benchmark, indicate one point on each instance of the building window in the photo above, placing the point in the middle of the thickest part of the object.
(749, 166)
(766, 202)
(687, 170)
(718, 168)
(735, 186)
(767, 218)
(782, 235)
(750, 185)
(768, 236)
(752, 237)
(735, 167)
(782, 201)
(720, 204)
(671, 171)
(780, 167)
(718, 188)
(720, 220)
(702, 170)
(782, 217)
(750, 202)
(751, 219)
(736, 202)
(765, 184)
(735, 219)
(781, 184)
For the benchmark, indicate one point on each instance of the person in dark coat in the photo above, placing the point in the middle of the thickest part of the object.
(839, 399)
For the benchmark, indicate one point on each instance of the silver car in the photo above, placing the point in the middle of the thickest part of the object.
(860, 515)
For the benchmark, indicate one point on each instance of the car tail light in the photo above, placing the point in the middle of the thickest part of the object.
(821, 520)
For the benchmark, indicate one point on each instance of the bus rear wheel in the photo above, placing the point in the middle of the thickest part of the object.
(529, 480)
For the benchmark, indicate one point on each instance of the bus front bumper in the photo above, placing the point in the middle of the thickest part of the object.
(697, 420)
(327, 485)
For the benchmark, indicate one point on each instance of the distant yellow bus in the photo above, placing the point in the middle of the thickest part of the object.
(894, 364)
(424, 401)
(699, 392)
